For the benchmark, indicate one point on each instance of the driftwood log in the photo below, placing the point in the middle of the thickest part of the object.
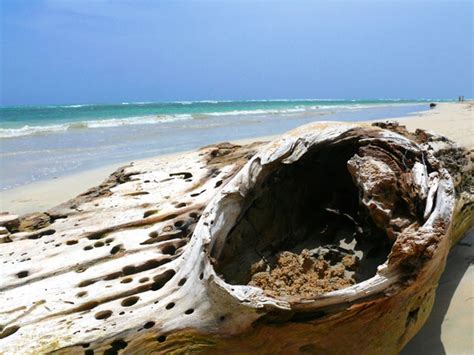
(330, 239)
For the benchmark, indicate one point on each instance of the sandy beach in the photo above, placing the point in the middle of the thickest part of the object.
(450, 328)
(453, 120)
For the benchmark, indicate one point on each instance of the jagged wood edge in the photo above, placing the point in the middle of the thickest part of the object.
(74, 209)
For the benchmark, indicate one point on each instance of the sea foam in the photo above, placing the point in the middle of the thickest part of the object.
(106, 123)
(212, 111)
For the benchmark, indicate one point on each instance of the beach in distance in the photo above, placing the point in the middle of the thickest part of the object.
(48, 166)
(45, 142)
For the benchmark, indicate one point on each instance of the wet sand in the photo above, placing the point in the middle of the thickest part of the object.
(43, 195)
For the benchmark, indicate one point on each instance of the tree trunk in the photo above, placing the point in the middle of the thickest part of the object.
(330, 239)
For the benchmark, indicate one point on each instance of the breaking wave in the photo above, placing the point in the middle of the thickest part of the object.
(106, 123)
(210, 112)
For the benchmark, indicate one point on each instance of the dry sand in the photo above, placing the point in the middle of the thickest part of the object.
(450, 328)
(453, 120)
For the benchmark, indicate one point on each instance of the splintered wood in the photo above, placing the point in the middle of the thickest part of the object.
(330, 239)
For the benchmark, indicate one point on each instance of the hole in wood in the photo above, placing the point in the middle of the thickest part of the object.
(169, 249)
(130, 301)
(81, 294)
(118, 344)
(162, 279)
(412, 316)
(9, 331)
(149, 213)
(197, 193)
(126, 280)
(138, 193)
(86, 283)
(184, 175)
(42, 233)
(115, 249)
(304, 219)
(103, 314)
(149, 325)
(22, 274)
(178, 224)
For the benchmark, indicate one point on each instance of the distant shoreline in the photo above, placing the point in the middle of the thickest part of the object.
(451, 119)
(21, 121)
(394, 100)
(43, 143)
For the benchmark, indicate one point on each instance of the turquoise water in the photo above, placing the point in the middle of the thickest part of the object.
(43, 142)
(18, 121)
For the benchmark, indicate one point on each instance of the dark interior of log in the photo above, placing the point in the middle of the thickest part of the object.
(302, 231)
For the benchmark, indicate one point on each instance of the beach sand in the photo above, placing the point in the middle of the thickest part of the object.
(453, 120)
(450, 328)
(42, 195)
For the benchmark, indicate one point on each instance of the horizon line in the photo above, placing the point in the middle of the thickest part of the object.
(125, 103)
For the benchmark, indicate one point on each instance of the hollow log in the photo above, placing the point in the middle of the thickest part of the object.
(330, 239)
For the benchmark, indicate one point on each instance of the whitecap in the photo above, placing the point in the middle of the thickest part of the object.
(29, 130)
(105, 123)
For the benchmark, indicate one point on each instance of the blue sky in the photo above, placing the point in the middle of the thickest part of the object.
(61, 51)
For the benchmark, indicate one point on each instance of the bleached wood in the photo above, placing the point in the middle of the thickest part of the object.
(130, 265)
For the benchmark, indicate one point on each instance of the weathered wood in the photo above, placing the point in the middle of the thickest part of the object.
(330, 239)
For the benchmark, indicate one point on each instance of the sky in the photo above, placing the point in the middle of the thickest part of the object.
(104, 51)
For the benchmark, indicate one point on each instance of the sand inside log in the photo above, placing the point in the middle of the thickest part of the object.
(307, 273)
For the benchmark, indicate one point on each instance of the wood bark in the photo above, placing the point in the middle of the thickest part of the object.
(329, 240)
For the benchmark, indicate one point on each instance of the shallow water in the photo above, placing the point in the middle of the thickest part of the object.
(89, 141)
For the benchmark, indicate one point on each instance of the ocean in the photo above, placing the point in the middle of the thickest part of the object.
(44, 142)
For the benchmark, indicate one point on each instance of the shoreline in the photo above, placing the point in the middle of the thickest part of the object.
(41, 157)
(449, 328)
(43, 195)
(454, 120)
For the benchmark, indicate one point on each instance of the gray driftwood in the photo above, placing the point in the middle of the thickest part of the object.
(330, 239)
